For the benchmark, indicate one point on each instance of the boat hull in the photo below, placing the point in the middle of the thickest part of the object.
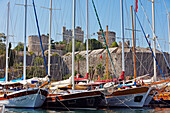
(135, 97)
(76, 100)
(31, 98)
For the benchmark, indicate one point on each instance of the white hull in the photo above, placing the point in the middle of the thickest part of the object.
(27, 101)
(126, 100)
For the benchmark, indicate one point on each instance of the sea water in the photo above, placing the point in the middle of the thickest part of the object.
(115, 110)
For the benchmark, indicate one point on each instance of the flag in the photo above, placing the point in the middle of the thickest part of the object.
(101, 56)
(122, 76)
(149, 43)
(136, 5)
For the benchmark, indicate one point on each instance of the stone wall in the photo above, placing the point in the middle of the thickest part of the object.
(144, 61)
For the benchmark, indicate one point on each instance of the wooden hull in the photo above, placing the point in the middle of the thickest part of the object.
(87, 99)
(162, 98)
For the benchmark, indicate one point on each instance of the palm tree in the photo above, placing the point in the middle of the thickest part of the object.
(78, 57)
(100, 69)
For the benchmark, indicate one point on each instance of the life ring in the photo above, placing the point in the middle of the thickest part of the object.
(138, 82)
(110, 90)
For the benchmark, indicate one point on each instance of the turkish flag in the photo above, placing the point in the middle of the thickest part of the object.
(101, 57)
(136, 5)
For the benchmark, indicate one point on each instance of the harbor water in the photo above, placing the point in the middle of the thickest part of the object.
(115, 110)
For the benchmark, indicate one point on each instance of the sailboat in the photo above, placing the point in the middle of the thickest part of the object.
(18, 94)
(117, 96)
(67, 99)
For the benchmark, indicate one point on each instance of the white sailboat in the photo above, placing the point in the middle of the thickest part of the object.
(18, 94)
(126, 97)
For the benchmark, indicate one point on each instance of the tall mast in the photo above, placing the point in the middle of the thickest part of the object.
(122, 34)
(107, 53)
(154, 43)
(169, 30)
(87, 29)
(73, 43)
(7, 38)
(133, 47)
(25, 36)
(49, 44)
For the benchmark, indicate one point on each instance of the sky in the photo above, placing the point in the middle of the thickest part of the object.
(62, 15)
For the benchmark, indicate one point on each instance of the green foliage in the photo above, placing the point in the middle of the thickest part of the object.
(114, 44)
(31, 53)
(66, 76)
(38, 70)
(2, 48)
(61, 42)
(100, 69)
(105, 77)
(55, 54)
(94, 44)
(38, 61)
(2, 45)
(78, 57)
(20, 47)
(78, 46)
(2, 37)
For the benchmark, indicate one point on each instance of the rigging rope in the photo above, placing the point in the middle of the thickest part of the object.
(40, 36)
(154, 35)
(104, 37)
(149, 45)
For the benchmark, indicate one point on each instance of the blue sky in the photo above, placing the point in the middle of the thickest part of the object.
(109, 14)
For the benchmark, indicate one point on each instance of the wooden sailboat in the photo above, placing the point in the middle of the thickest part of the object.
(18, 94)
(64, 99)
(127, 96)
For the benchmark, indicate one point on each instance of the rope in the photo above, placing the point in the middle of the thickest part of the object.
(149, 45)
(63, 104)
(104, 37)
(40, 36)
(124, 103)
(155, 36)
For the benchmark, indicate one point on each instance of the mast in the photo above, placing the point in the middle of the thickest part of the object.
(87, 30)
(133, 47)
(154, 43)
(49, 45)
(6, 73)
(107, 53)
(169, 30)
(73, 43)
(122, 35)
(25, 36)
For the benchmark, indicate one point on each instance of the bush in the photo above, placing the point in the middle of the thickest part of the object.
(114, 44)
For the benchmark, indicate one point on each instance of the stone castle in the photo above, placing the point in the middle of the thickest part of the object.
(34, 43)
(67, 34)
(111, 37)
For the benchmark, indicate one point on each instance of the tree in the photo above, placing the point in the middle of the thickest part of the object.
(2, 48)
(2, 45)
(91, 72)
(38, 69)
(100, 69)
(78, 57)
(78, 46)
(94, 44)
(2, 37)
(11, 55)
(20, 47)
(114, 44)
